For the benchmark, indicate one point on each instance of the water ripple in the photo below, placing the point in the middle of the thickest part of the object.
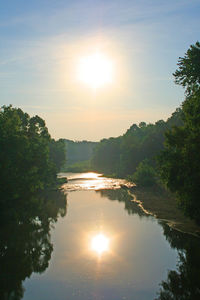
(92, 181)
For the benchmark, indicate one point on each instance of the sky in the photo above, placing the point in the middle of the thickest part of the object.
(43, 41)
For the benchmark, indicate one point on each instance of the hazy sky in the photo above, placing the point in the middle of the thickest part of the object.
(42, 41)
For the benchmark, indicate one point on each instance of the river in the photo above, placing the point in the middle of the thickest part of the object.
(106, 247)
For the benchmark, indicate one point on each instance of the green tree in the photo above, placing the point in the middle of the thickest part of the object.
(106, 156)
(179, 161)
(122, 155)
(25, 162)
(144, 175)
(57, 153)
(188, 72)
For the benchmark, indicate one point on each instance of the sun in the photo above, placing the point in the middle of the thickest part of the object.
(100, 243)
(95, 70)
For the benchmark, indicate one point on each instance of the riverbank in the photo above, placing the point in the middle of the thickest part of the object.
(58, 183)
(155, 201)
(162, 205)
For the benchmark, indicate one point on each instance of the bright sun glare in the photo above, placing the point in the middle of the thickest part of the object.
(95, 70)
(100, 243)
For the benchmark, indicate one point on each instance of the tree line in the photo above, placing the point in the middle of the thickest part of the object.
(29, 201)
(179, 162)
(121, 156)
(78, 155)
(165, 151)
(29, 157)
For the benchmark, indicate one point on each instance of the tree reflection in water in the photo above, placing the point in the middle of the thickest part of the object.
(183, 283)
(121, 195)
(25, 245)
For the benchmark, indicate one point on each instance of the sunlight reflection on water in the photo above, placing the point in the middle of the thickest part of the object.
(91, 181)
(100, 243)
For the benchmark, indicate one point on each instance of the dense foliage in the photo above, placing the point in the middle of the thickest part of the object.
(57, 153)
(179, 161)
(188, 70)
(78, 155)
(29, 162)
(122, 155)
(145, 174)
(175, 142)
(29, 158)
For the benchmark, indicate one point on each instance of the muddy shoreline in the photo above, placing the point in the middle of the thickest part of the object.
(162, 205)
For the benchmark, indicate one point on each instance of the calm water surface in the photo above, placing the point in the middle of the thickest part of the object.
(107, 248)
